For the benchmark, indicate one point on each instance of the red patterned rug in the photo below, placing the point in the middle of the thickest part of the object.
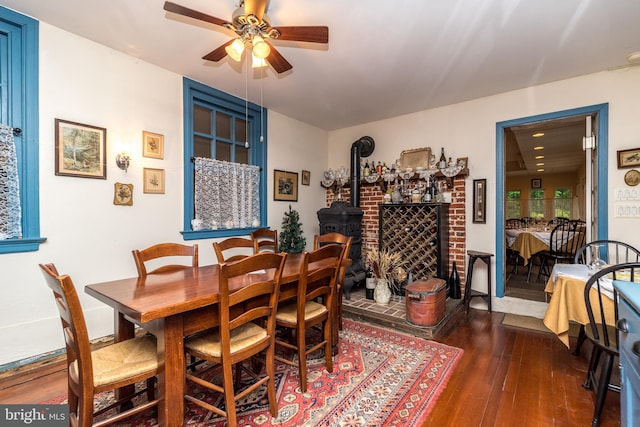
(380, 378)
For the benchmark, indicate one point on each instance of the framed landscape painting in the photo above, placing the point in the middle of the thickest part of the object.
(80, 150)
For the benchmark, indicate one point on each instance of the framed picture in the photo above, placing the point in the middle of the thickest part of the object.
(80, 150)
(152, 145)
(285, 186)
(153, 181)
(462, 161)
(536, 183)
(123, 194)
(306, 177)
(480, 201)
(629, 158)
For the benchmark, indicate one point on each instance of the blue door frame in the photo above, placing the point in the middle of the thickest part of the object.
(602, 114)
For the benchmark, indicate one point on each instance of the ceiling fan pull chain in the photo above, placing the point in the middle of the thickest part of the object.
(246, 103)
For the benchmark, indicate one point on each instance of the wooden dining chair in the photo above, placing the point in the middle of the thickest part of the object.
(599, 254)
(313, 306)
(233, 249)
(606, 252)
(602, 330)
(265, 239)
(513, 256)
(565, 240)
(246, 318)
(339, 239)
(107, 368)
(164, 250)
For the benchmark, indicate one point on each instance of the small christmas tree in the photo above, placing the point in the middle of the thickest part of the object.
(291, 239)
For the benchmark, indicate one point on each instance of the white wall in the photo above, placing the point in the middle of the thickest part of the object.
(469, 130)
(88, 236)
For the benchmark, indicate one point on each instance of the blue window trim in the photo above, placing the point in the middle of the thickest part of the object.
(194, 92)
(26, 118)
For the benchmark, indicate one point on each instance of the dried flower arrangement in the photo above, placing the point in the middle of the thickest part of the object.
(385, 264)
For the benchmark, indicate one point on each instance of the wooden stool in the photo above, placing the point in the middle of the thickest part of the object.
(468, 292)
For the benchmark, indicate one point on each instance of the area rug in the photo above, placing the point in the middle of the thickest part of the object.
(380, 378)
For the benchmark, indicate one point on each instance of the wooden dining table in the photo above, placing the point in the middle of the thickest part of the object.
(172, 306)
(566, 287)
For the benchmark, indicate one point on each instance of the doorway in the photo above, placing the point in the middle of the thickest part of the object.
(597, 189)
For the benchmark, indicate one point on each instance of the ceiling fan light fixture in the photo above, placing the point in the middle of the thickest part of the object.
(260, 48)
(235, 49)
(257, 62)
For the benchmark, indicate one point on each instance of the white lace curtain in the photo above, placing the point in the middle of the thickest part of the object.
(10, 212)
(227, 195)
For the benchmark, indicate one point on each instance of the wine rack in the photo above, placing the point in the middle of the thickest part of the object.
(420, 232)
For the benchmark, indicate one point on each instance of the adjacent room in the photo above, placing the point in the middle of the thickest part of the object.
(279, 212)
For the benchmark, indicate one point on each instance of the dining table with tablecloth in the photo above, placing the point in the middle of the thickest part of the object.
(527, 241)
(566, 286)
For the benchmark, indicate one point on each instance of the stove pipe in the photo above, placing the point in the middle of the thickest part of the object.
(362, 147)
(355, 174)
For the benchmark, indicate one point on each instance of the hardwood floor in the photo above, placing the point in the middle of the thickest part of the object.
(507, 376)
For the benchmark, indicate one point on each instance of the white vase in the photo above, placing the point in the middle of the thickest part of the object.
(382, 293)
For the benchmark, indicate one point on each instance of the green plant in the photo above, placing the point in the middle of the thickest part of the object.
(291, 239)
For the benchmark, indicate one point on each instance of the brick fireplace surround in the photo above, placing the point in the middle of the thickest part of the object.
(371, 196)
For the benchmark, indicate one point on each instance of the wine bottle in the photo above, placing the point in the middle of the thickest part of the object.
(443, 159)
(367, 169)
(454, 283)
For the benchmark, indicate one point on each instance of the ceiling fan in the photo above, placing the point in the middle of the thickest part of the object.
(252, 27)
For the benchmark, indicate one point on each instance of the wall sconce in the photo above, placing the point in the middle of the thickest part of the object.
(123, 160)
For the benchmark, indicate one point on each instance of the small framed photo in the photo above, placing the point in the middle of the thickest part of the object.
(306, 177)
(629, 158)
(80, 150)
(123, 194)
(480, 201)
(153, 181)
(463, 162)
(536, 183)
(152, 145)
(285, 186)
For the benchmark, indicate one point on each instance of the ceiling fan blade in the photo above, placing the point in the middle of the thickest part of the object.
(277, 61)
(255, 7)
(218, 53)
(319, 34)
(185, 11)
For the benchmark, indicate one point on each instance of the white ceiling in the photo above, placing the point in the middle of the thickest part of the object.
(384, 57)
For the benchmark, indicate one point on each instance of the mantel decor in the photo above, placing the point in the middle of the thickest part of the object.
(479, 201)
(285, 186)
(80, 150)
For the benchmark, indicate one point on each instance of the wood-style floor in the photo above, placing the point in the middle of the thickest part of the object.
(507, 376)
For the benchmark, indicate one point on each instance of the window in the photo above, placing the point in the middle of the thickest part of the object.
(219, 126)
(513, 204)
(19, 109)
(562, 203)
(536, 204)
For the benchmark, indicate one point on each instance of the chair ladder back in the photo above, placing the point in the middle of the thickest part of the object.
(164, 250)
(233, 245)
(265, 289)
(74, 329)
(265, 239)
